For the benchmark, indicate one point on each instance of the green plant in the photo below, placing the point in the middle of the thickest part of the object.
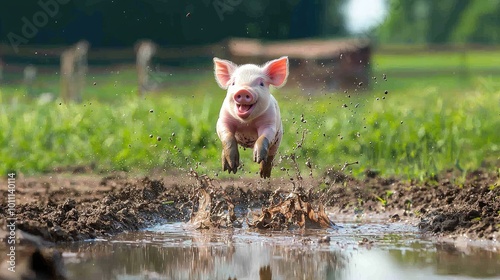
(422, 127)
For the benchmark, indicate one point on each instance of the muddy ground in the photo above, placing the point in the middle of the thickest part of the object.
(64, 207)
(68, 207)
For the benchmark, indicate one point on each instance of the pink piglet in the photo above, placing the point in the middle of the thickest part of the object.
(250, 115)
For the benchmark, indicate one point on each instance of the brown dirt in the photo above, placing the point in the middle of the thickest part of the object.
(76, 207)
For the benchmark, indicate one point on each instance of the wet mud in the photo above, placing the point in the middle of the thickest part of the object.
(59, 208)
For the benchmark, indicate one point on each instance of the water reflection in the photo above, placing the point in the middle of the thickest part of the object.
(446, 259)
(170, 252)
(189, 260)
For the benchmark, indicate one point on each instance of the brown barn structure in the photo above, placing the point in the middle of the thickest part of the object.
(314, 64)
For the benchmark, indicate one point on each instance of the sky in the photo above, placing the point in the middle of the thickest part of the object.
(363, 14)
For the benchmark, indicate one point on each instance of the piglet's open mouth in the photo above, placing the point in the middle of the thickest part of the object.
(244, 110)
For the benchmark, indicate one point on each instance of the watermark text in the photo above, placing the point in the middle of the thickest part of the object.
(11, 221)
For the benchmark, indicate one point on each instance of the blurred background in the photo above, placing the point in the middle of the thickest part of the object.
(404, 87)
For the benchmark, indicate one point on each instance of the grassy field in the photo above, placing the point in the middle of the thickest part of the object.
(469, 59)
(424, 125)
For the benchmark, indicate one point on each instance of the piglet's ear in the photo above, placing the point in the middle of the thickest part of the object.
(277, 71)
(223, 70)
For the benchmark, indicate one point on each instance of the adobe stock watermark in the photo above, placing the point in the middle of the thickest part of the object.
(31, 26)
(11, 221)
(223, 6)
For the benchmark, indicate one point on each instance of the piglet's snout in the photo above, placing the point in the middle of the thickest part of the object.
(243, 96)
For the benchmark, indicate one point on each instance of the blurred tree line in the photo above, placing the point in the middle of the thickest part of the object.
(107, 23)
(167, 22)
(443, 21)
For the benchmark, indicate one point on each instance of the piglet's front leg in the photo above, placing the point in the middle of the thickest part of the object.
(261, 149)
(266, 167)
(261, 155)
(265, 149)
(230, 153)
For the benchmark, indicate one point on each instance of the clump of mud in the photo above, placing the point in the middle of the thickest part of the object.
(34, 258)
(213, 208)
(211, 213)
(291, 213)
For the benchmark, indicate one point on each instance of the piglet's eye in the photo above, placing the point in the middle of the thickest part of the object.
(232, 83)
(261, 84)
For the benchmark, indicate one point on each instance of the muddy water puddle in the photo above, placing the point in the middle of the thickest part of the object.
(368, 250)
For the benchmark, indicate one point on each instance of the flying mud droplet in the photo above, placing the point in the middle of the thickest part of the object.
(173, 134)
(95, 83)
(378, 98)
(150, 135)
(60, 103)
(324, 239)
(356, 106)
(360, 84)
(384, 76)
(188, 15)
(151, 111)
(302, 119)
(365, 241)
(344, 105)
(401, 122)
(158, 138)
(386, 92)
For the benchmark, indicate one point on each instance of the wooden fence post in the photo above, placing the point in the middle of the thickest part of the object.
(29, 75)
(73, 71)
(145, 50)
(1, 70)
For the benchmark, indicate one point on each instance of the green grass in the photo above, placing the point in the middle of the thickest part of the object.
(471, 59)
(442, 70)
(421, 127)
